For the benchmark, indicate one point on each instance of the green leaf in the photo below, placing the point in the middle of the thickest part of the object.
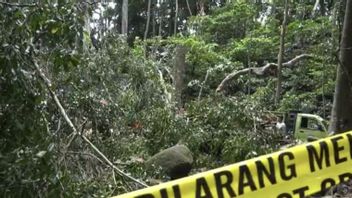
(54, 30)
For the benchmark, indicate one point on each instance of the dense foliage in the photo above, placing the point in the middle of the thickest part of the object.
(119, 92)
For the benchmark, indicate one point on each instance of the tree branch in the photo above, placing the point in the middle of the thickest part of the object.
(189, 8)
(18, 5)
(234, 74)
(315, 7)
(90, 3)
(75, 132)
(293, 61)
(35, 4)
(203, 84)
(268, 69)
(89, 154)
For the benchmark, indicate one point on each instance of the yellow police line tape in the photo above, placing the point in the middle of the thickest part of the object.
(295, 172)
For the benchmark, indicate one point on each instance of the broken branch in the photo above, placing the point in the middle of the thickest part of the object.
(268, 69)
(75, 132)
(17, 4)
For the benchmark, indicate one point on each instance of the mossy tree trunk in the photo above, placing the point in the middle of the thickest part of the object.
(341, 114)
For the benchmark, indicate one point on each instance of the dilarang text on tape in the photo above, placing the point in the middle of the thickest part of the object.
(295, 172)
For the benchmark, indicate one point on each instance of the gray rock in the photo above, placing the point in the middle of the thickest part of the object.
(175, 161)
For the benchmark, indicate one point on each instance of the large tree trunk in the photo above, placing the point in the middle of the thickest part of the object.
(124, 22)
(281, 54)
(82, 42)
(179, 72)
(86, 28)
(341, 114)
(171, 20)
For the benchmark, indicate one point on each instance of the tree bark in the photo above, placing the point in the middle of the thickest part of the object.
(148, 21)
(281, 54)
(171, 20)
(341, 114)
(201, 7)
(154, 22)
(160, 27)
(266, 70)
(176, 17)
(124, 22)
(179, 72)
(319, 4)
(315, 7)
(189, 8)
(203, 84)
(322, 7)
(86, 28)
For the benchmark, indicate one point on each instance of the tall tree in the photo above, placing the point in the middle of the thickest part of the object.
(148, 21)
(281, 54)
(201, 7)
(179, 72)
(189, 8)
(176, 17)
(124, 23)
(87, 28)
(341, 114)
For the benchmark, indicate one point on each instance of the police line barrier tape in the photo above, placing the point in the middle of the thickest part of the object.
(295, 172)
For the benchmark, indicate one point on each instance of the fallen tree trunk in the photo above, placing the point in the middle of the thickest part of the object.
(269, 69)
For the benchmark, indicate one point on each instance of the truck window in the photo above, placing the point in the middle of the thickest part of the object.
(313, 124)
(304, 123)
(310, 124)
